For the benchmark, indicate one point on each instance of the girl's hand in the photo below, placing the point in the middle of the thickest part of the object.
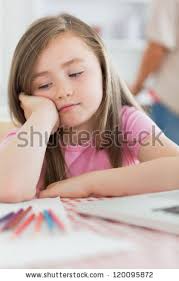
(30, 104)
(76, 187)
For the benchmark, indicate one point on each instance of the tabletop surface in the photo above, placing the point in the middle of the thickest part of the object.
(153, 249)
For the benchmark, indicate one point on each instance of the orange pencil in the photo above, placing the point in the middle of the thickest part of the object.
(20, 217)
(39, 221)
(24, 225)
(57, 220)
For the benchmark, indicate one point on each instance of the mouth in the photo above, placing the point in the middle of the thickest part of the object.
(68, 107)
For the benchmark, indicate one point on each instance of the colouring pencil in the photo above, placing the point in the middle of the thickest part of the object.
(20, 217)
(6, 217)
(12, 220)
(48, 219)
(24, 225)
(57, 220)
(39, 221)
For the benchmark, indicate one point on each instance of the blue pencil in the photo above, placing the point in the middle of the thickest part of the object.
(6, 217)
(48, 219)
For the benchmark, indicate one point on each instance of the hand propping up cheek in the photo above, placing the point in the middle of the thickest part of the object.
(30, 104)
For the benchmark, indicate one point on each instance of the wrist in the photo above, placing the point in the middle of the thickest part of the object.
(46, 120)
(48, 111)
(94, 183)
(88, 182)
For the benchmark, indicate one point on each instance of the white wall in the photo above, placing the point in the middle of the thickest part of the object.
(16, 15)
(14, 18)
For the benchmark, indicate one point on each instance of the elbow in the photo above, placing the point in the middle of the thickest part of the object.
(15, 196)
(174, 173)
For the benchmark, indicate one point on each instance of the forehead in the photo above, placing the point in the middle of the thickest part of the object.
(63, 48)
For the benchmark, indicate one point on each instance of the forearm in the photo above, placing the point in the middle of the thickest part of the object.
(152, 176)
(151, 60)
(22, 158)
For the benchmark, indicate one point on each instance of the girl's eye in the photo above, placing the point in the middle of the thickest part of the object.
(45, 86)
(76, 74)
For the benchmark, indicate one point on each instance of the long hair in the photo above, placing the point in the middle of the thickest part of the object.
(115, 92)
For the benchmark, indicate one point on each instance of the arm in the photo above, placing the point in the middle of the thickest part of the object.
(161, 32)
(158, 172)
(152, 59)
(20, 164)
(152, 176)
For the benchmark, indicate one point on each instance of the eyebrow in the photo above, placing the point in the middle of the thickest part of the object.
(65, 64)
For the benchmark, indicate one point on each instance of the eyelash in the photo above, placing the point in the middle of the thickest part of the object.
(73, 75)
(76, 74)
(45, 86)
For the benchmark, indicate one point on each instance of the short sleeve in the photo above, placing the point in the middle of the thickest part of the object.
(136, 127)
(162, 25)
(7, 138)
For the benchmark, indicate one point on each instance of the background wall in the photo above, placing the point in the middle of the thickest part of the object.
(121, 23)
(15, 16)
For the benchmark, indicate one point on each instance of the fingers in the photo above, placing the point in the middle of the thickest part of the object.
(21, 96)
(21, 99)
(56, 190)
(49, 192)
(52, 190)
(63, 190)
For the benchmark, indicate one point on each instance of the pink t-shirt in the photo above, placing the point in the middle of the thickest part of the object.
(136, 126)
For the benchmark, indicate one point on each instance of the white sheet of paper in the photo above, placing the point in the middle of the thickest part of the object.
(39, 251)
(38, 205)
(47, 247)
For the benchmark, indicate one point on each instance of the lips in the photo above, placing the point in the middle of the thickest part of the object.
(67, 106)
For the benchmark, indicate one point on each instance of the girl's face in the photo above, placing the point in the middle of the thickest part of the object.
(68, 72)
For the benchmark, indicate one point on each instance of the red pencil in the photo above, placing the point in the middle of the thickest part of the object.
(24, 225)
(20, 217)
(57, 220)
(39, 221)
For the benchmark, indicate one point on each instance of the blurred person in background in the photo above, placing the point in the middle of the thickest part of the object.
(161, 58)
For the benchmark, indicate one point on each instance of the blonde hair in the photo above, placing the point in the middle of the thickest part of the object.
(115, 92)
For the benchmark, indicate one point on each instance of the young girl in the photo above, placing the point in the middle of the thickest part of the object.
(81, 131)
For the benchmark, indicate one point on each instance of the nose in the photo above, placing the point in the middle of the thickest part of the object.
(63, 91)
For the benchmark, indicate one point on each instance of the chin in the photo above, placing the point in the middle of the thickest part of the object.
(74, 124)
(71, 124)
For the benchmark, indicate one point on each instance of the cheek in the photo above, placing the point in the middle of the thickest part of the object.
(93, 90)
